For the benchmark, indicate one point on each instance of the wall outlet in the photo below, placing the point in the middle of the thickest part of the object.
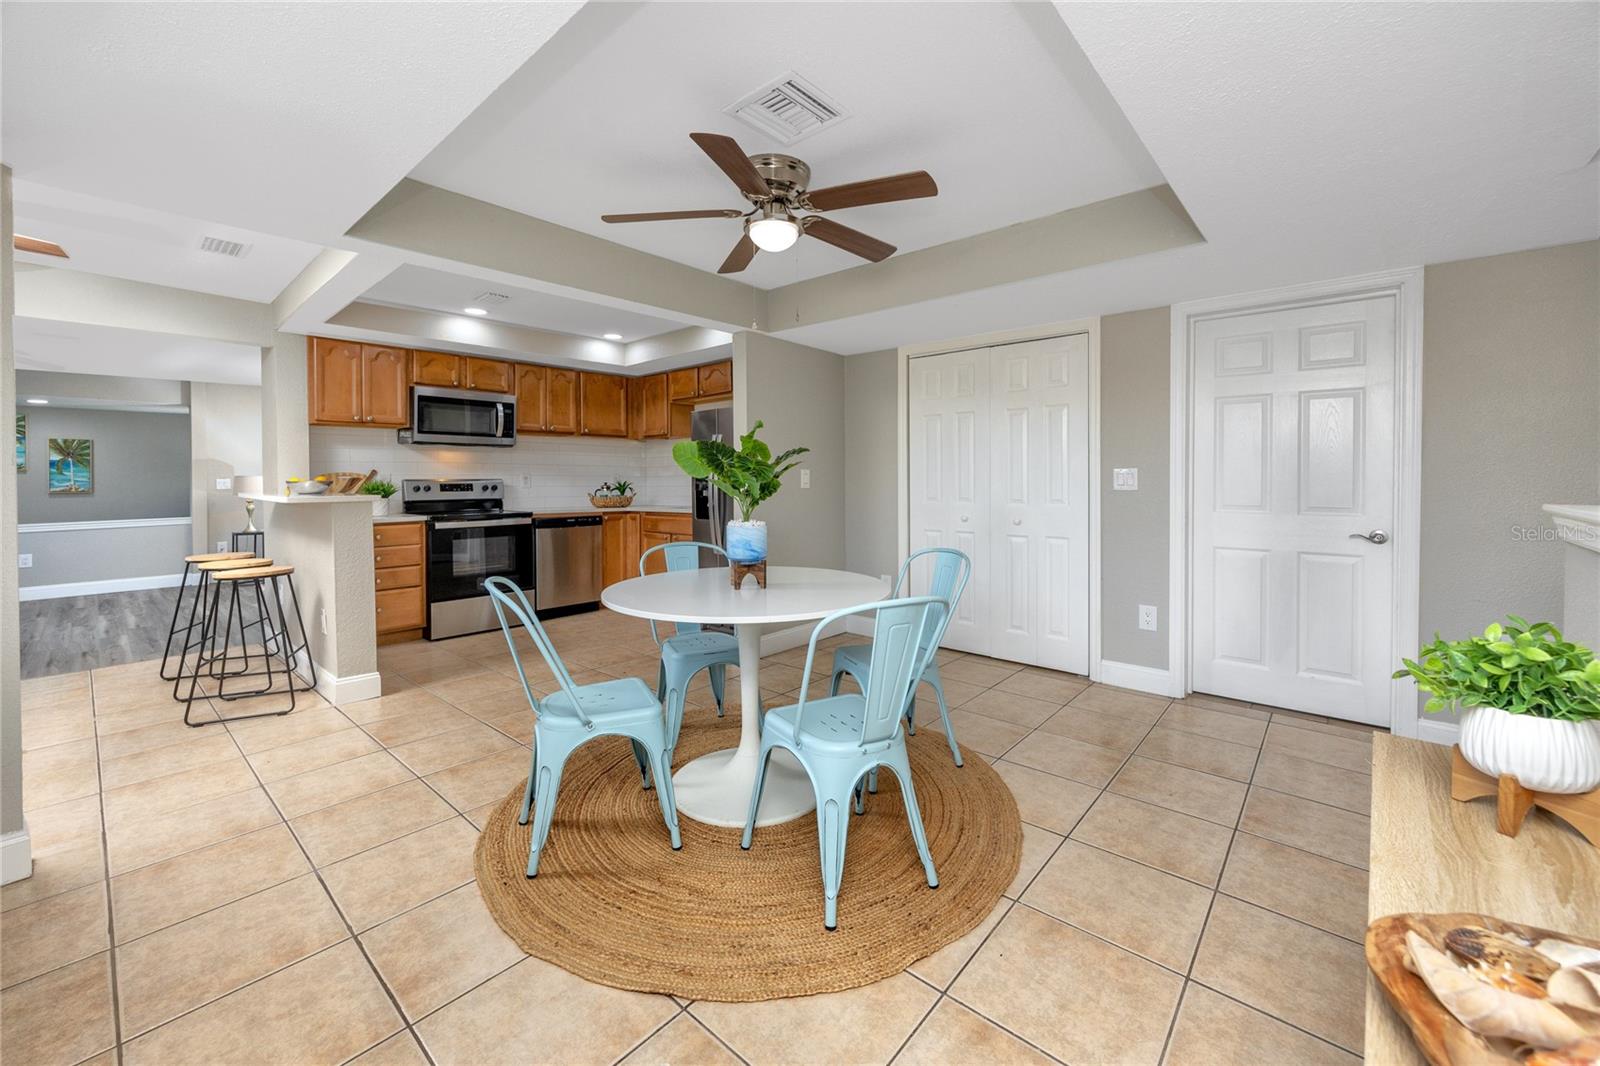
(224, 484)
(1125, 479)
(25, 562)
(805, 477)
(323, 614)
(1147, 617)
(222, 545)
(527, 481)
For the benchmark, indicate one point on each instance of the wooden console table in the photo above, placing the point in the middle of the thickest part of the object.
(1431, 853)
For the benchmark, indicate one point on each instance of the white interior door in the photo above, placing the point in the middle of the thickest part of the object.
(949, 453)
(1040, 538)
(1294, 460)
(999, 469)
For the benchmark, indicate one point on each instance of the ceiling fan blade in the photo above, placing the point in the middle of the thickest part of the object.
(853, 241)
(910, 186)
(34, 244)
(667, 216)
(726, 153)
(740, 257)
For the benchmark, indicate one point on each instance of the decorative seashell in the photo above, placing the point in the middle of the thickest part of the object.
(1497, 951)
(1576, 986)
(1585, 1052)
(1486, 1009)
(1567, 954)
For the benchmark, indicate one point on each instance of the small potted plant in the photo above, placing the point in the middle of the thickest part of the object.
(749, 475)
(617, 493)
(1530, 703)
(380, 491)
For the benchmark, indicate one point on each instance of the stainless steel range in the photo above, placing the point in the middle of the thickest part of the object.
(471, 538)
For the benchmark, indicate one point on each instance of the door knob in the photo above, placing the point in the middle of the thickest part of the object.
(966, 518)
(1377, 536)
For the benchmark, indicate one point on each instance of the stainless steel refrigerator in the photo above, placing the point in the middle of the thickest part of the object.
(711, 506)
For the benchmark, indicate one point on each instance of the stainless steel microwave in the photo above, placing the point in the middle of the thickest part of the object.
(462, 416)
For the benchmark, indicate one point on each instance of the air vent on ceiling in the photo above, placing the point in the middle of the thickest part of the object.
(218, 246)
(788, 109)
(490, 299)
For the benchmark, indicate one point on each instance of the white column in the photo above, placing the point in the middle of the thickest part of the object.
(16, 853)
(285, 414)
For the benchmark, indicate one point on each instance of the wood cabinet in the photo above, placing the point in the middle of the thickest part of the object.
(561, 401)
(716, 379)
(626, 537)
(399, 575)
(603, 405)
(658, 529)
(683, 384)
(488, 375)
(436, 368)
(530, 389)
(352, 384)
(654, 415)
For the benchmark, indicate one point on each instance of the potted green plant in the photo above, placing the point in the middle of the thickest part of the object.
(380, 491)
(750, 475)
(1530, 702)
(617, 493)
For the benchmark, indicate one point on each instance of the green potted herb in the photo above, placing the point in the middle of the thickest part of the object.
(1530, 702)
(380, 491)
(750, 475)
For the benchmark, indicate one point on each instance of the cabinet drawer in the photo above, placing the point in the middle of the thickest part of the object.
(400, 609)
(397, 577)
(397, 555)
(389, 534)
(670, 524)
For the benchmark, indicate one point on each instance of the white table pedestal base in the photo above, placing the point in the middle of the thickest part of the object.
(715, 788)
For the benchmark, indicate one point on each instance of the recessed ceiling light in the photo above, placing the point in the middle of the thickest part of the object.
(613, 336)
(35, 400)
(475, 311)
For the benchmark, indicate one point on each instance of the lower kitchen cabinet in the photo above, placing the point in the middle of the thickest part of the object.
(399, 573)
(626, 537)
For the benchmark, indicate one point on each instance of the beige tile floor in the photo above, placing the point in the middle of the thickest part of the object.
(299, 889)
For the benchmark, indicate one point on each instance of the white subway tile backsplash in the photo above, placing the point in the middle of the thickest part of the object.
(561, 471)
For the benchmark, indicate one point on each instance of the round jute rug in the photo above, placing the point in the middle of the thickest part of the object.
(613, 903)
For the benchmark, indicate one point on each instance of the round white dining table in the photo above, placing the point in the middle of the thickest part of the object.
(715, 788)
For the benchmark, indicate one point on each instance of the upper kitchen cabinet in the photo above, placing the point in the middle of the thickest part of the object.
(356, 384)
(436, 368)
(547, 399)
(655, 415)
(603, 405)
(530, 387)
(716, 379)
(487, 375)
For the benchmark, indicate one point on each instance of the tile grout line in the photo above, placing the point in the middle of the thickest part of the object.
(111, 916)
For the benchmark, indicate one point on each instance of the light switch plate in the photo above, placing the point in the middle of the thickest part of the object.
(224, 484)
(25, 562)
(1125, 478)
(805, 478)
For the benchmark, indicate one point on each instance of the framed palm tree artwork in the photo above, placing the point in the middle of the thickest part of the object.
(22, 444)
(71, 466)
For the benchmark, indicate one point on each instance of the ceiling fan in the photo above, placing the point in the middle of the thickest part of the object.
(775, 185)
(35, 244)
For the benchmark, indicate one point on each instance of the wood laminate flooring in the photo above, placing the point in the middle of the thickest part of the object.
(63, 636)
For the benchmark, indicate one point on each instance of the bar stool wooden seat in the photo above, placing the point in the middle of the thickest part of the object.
(190, 562)
(239, 580)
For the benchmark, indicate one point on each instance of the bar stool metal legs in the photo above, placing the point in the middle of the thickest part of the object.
(190, 565)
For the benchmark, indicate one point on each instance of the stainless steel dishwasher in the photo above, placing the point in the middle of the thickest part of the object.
(566, 554)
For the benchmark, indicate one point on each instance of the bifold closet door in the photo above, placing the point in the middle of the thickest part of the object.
(999, 468)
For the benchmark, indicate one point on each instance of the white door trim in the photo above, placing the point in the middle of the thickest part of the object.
(907, 352)
(1406, 286)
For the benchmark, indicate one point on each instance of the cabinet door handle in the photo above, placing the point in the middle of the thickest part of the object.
(377, 558)
(369, 418)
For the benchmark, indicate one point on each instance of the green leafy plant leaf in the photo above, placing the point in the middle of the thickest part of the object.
(750, 475)
(1517, 667)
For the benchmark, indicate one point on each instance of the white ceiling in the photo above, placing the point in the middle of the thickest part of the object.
(993, 99)
(282, 118)
(75, 348)
(123, 241)
(437, 290)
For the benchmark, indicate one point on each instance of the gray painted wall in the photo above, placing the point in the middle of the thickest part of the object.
(66, 557)
(871, 389)
(1135, 369)
(141, 465)
(798, 392)
(1511, 421)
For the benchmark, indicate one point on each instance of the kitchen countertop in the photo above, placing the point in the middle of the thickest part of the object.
(385, 519)
(326, 497)
(611, 510)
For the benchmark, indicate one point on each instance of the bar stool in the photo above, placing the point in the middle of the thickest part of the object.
(190, 562)
(197, 610)
(253, 539)
(277, 639)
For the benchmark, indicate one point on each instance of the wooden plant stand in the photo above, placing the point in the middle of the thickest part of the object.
(737, 572)
(1579, 810)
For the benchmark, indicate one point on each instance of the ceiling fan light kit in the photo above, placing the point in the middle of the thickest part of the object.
(777, 187)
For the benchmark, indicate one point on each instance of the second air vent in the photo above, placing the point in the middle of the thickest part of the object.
(788, 109)
(218, 246)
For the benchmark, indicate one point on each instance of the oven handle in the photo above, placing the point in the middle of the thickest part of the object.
(484, 523)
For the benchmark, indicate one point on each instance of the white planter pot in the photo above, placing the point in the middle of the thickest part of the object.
(1544, 754)
(380, 506)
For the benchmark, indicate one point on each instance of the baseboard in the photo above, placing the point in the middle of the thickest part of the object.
(1141, 678)
(342, 690)
(798, 636)
(1438, 731)
(97, 588)
(16, 855)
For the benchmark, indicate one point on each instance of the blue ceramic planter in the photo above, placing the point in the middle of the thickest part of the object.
(747, 542)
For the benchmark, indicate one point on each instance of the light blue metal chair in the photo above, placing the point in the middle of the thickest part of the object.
(839, 740)
(691, 649)
(951, 568)
(575, 715)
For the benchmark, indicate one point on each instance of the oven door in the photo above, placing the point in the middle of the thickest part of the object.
(462, 555)
(462, 416)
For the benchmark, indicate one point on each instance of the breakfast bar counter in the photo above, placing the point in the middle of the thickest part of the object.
(1431, 853)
